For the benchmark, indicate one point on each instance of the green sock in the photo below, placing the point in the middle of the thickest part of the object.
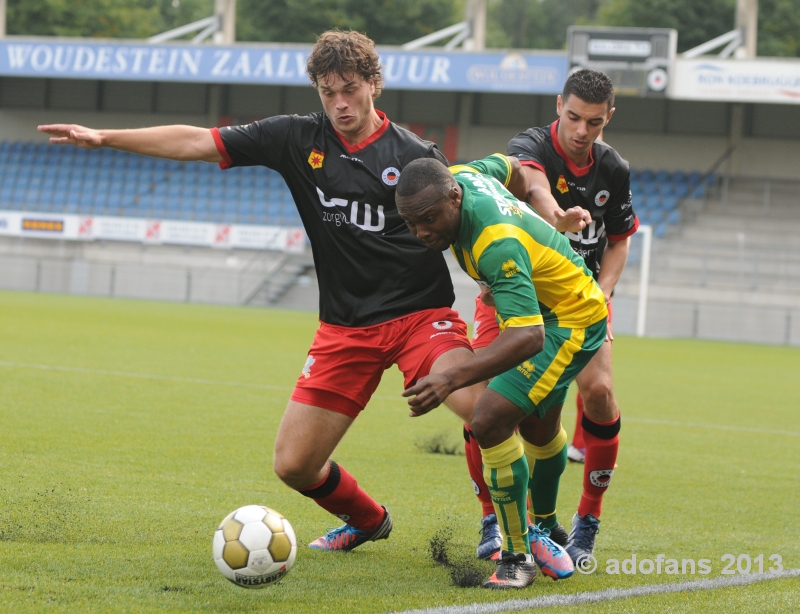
(505, 470)
(546, 464)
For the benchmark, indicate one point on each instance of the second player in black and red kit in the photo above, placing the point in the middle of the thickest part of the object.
(567, 167)
(384, 297)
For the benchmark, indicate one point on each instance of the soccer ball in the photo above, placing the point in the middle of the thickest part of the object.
(254, 546)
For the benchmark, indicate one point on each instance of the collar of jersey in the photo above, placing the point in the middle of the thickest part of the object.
(465, 231)
(367, 141)
(573, 168)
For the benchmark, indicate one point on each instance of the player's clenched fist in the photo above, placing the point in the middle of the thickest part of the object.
(72, 134)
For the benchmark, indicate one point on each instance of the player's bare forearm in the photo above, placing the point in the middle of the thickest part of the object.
(612, 264)
(177, 142)
(514, 346)
(531, 186)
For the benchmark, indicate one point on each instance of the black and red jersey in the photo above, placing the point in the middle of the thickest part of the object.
(603, 188)
(369, 266)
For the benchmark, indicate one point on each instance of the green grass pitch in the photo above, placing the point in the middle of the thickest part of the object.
(111, 485)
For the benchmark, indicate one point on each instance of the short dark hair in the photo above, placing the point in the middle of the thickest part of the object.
(345, 53)
(421, 173)
(590, 86)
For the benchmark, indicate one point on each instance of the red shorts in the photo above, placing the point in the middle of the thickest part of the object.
(485, 328)
(345, 364)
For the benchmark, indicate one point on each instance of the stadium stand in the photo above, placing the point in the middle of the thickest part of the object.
(41, 177)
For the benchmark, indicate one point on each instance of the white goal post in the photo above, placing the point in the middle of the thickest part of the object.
(646, 232)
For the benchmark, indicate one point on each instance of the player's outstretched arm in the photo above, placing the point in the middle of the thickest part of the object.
(530, 185)
(184, 143)
(514, 346)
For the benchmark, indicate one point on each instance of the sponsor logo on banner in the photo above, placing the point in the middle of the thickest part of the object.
(222, 235)
(513, 72)
(152, 231)
(85, 227)
(758, 80)
(316, 158)
(39, 225)
(140, 230)
(295, 240)
(390, 176)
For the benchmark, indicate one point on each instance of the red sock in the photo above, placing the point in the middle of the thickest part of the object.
(340, 494)
(577, 436)
(602, 444)
(475, 466)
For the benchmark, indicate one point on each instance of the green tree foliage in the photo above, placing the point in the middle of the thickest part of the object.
(102, 18)
(536, 24)
(779, 28)
(387, 22)
(696, 22)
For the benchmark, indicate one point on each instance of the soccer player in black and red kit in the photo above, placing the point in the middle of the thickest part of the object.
(567, 166)
(384, 297)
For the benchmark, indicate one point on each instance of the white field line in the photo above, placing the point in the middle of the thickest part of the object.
(212, 382)
(610, 594)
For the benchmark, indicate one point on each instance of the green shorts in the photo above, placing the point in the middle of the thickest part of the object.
(542, 382)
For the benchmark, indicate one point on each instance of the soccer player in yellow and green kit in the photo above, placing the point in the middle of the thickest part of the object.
(552, 313)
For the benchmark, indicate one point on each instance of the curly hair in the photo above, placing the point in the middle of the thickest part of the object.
(590, 86)
(343, 54)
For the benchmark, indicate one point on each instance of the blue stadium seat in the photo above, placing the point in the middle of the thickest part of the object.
(669, 203)
(661, 231)
(674, 217)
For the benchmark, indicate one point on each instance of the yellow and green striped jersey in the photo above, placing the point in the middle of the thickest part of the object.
(535, 275)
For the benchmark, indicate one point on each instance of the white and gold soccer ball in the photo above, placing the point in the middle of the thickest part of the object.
(254, 546)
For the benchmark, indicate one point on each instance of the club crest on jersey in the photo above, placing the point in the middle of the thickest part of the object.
(390, 176)
(316, 158)
(442, 325)
(561, 185)
(601, 477)
(601, 198)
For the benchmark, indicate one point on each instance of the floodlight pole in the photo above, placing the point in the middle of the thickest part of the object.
(476, 17)
(225, 10)
(747, 23)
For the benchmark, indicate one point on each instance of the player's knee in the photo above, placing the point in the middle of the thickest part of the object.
(488, 431)
(294, 472)
(598, 397)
